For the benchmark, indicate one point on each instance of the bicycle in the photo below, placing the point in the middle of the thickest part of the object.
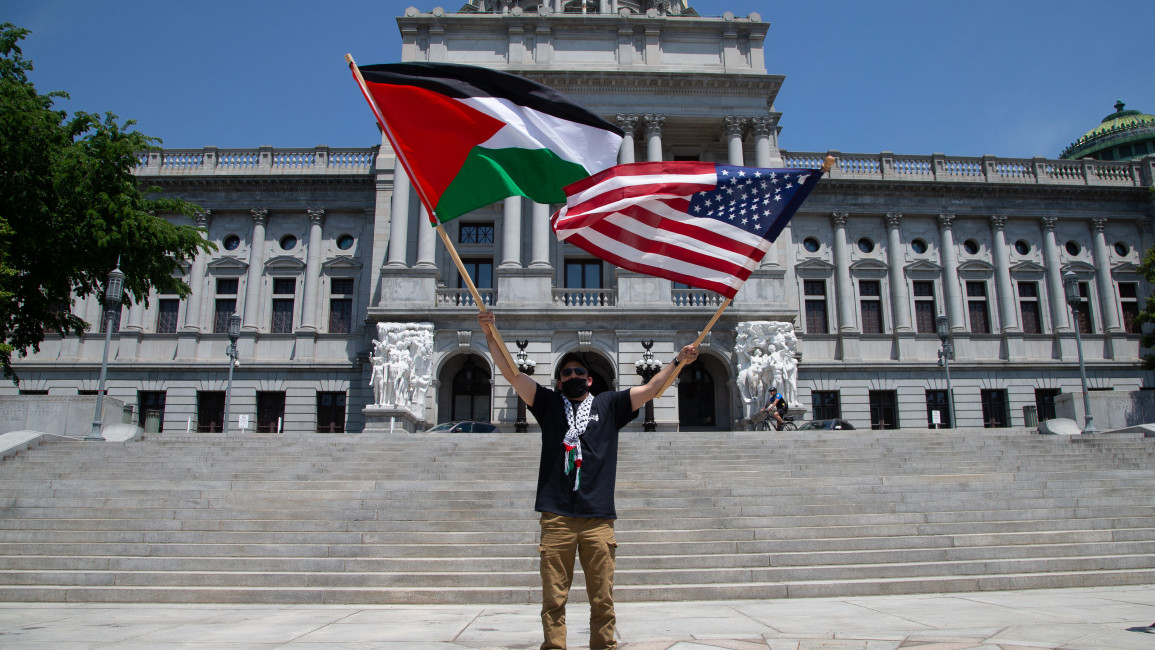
(769, 423)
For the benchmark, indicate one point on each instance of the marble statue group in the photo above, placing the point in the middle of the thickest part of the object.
(766, 356)
(402, 361)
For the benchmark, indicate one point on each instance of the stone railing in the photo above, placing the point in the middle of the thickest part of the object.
(463, 298)
(585, 297)
(263, 160)
(984, 169)
(696, 298)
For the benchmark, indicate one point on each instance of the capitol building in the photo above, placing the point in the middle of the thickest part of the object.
(327, 257)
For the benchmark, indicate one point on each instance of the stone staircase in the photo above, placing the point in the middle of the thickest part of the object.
(447, 518)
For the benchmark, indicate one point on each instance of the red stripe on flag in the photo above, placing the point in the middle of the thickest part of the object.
(679, 250)
(633, 264)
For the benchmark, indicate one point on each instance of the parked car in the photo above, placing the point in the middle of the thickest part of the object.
(465, 426)
(826, 424)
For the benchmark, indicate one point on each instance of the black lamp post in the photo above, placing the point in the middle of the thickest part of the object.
(1071, 288)
(234, 332)
(526, 366)
(942, 325)
(112, 295)
(647, 367)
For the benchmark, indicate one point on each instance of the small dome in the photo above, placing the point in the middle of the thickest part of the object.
(1122, 135)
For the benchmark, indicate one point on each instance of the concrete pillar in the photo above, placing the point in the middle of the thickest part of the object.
(1056, 296)
(312, 270)
(952, 288)
(252, 309)
(539, 229)
(399, 218)
(762, 127)
(654, 124)
(1108, 303)
(511, 233)
(426, 240)
(733, 128)
(899, 296)
(196, 280)
(843, 288)
(629, 124)
(1008, 315)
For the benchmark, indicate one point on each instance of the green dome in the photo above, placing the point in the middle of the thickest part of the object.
(1122, 135)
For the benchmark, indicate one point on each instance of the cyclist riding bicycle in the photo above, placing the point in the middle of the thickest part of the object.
(776, 408)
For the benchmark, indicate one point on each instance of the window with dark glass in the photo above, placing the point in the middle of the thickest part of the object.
(270, 411)
(925, 310)
(811, 244)
(918, 246)
(977, 308)
(994, 402)
(1073, 248)
(865, 245)
(815, 292)
(340, 305)
(1083, 310)
(330, 412)
(283, 307)
(475, 233)
(470, 393)
(870, 296)
(150, 407)
(1129, 305)
(971, 247)
(166, 315)
(696, 397)
(883, 409)
(1045, 403)
(1122, 249)
(825, 405)
(210, 410)
(225, 306)
(938, 400)
(1029, 308)
(583, 274)
(1022, 247)
(232, 242)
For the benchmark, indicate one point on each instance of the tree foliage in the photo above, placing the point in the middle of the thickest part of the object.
(70, 207)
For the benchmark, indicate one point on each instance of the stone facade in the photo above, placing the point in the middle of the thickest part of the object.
(317, 247)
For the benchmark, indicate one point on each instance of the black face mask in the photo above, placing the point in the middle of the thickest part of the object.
(575, 387)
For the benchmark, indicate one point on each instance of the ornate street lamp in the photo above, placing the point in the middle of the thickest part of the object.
(527, 366)
(943, 326)
(647, 367)
(234, 332)
(1071, 287)
(112, 295)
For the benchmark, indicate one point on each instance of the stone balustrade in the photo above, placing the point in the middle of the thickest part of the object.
(260, 161)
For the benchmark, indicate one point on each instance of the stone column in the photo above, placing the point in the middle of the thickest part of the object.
(399, 218)
(762, 155)
(192, 311)
(426, 240)
(1056, 297)
(626, 152)
(654, 124)
(511, 233)
(950, 280)
(899, 296)
(312, 270)
(1108, 304)
(1008, 315)
(843, 288)
(539, 227)
(733, 127)
(252, 309)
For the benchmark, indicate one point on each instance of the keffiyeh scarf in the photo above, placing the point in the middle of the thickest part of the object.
(578, 421)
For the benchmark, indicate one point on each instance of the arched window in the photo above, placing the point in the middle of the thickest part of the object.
(471, 393)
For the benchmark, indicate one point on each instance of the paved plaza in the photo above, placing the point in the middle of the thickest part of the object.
(1109, 618)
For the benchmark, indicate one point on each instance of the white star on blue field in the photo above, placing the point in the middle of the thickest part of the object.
(747, 197)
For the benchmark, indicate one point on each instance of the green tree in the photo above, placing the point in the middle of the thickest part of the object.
(70, 207)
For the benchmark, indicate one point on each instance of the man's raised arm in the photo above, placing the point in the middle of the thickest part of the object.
(526, 388)
(639, 395)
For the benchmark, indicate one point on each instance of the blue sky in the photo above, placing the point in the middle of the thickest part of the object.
(1013, 78)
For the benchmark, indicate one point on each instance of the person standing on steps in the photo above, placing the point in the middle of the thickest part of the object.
(575, 482)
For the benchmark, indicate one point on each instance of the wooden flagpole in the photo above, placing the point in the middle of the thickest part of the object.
(827, 165)
(429, 207)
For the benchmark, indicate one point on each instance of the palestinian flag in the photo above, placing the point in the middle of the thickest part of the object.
(471, 136)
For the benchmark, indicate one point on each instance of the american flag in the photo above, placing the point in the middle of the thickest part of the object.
(701, 224)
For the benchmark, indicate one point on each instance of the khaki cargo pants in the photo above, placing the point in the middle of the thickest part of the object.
(593, 542)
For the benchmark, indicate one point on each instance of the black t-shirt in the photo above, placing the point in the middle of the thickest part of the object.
(595, 497)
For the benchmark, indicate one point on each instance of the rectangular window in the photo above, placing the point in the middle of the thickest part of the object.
(340, 305)
(870, 292)
(583, 274)
(331, 412)
(150, 407)
(1045, 403)
(825, 404)
(1029, 308)
(283, 307)
(226, 286)
(1129, 304)
(977, 308)
(937, 401)
(224, 308)
(994, 403)
(270, 411)
(475, 233)
(924, 307)
(815, 291)
(1083, 310)
(166, 315)
(883, 409)
(210, 411)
